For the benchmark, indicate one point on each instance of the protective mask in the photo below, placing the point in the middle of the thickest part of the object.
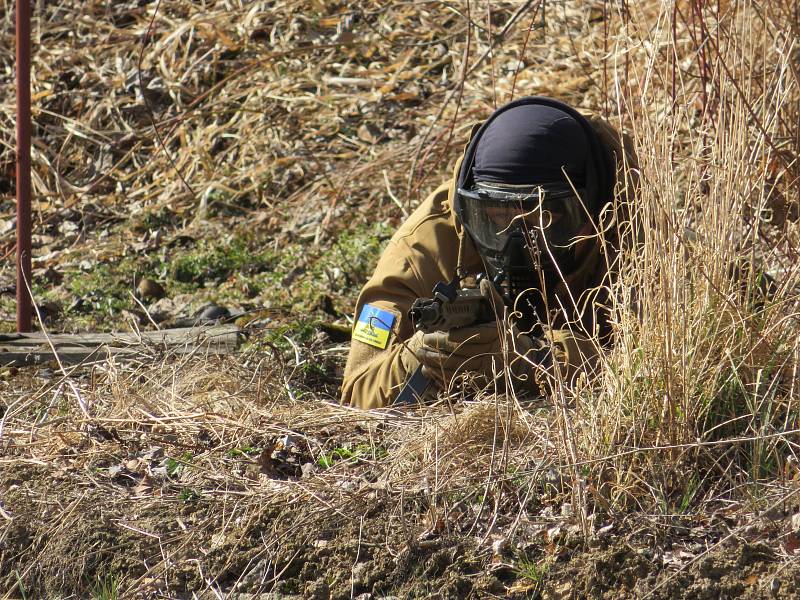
(526, 235)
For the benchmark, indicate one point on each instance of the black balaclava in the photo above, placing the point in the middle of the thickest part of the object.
(530, 144)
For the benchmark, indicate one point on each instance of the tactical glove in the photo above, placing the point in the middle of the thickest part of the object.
(483, 350)
(564, 355)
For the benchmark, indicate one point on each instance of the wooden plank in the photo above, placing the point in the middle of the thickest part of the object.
(32, 348)
(67, 356)
(168, 336)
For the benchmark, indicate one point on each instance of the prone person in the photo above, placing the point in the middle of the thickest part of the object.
(530, 221)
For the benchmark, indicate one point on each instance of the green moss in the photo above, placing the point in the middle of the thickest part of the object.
(215, 261)
(236, 270)
(93, 299)
(351, 453)
(102, 289)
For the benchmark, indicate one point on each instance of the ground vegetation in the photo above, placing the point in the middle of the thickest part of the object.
(256, 157)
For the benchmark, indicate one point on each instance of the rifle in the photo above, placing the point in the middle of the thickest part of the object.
(449, 308)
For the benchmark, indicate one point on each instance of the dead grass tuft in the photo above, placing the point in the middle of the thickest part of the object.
(296, 121)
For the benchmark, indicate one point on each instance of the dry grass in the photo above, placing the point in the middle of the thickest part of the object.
(296, 117)
(707, 355)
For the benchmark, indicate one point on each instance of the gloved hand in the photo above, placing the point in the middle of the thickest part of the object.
(476, 349)
(484, 350)
(574, 353)
(539, 362)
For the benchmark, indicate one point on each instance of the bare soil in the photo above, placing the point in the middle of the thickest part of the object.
(68, 537)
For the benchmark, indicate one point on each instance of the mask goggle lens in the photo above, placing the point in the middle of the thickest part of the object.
(492, 215)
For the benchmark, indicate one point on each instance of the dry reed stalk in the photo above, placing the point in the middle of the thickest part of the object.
(703, 378)
(705, 354)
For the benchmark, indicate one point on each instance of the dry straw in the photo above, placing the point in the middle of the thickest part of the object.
(295, 116)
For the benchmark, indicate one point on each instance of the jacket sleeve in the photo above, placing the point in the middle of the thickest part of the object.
(374, 376)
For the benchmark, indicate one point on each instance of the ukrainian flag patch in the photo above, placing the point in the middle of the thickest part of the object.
(373, 326)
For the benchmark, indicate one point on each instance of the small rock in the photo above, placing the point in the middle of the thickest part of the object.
(307, 469)
(553, 533)
(42, 241)
(347, 486)
(162, 310)
(574, 536)
(499, 545)
(154, 453)
(369, 133)
(318, 590)
(775, 586)
(360, 571)
(603, 531)
(66, 228)
(212, 312)
(149, 289)
(796, 522)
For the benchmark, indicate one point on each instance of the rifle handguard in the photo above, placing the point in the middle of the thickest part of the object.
(441, 313)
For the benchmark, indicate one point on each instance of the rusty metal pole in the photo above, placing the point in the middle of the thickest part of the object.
(24, 302)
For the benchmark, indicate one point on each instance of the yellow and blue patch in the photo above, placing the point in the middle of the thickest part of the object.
(373, 326)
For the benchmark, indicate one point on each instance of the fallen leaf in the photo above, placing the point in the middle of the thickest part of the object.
(145, 487)
(521, 588)
(792, 543)
(265, 463)
(369, 133)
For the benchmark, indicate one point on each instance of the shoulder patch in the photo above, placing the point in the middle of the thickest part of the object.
(373, 326)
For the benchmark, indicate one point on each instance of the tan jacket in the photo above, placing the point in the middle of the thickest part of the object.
(429, 247)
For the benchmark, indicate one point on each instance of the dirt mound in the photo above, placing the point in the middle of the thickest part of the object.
(735, 570)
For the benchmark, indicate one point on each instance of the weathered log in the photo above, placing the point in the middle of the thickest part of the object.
(20, 349)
